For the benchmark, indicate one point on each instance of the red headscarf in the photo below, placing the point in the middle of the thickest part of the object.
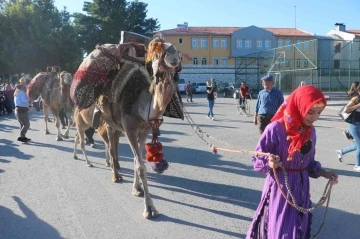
(292, 113)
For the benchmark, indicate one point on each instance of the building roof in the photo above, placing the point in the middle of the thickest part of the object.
(355, 32)
(230, 30)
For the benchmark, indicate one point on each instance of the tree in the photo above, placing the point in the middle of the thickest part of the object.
(36, 34)
(105, 20)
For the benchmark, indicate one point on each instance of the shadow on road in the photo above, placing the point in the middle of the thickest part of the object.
(9, 149)
(164, 218)
(14, 226)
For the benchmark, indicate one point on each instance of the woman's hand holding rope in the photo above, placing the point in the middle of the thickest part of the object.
(330, 175)
(274, 161)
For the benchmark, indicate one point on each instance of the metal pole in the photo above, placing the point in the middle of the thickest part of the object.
(350, 64)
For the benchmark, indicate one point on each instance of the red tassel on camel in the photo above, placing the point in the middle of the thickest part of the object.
(153, 150)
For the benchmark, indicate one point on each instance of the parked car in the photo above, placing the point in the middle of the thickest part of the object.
(200, 87)
(181, 85)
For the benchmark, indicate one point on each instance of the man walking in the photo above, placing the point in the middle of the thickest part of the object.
(188, 91)
(21, 111)
(269, 100)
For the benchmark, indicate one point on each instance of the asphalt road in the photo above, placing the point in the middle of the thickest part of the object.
(45, 193)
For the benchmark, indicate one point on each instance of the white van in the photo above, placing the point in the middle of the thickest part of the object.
(181, 85)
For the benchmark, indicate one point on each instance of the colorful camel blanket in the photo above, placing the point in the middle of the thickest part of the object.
(36, 84)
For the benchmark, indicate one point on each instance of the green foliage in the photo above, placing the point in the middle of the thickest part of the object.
(105, 20)
(35, 34)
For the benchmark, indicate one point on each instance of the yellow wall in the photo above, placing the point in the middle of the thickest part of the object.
(188, 52)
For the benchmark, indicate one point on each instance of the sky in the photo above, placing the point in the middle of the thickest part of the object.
(314, 16)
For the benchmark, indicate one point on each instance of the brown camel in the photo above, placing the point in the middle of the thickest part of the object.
(54, 89)
(56, 96)
(133, 106)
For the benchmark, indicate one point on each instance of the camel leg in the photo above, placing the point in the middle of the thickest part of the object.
(111, 134)
(103, 135)
(46, 118)
(75, 146)
(81, 135)
(132, 136)
(117, 139)
(57, 123)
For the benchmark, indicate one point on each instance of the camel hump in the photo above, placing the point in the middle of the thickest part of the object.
(36, 84)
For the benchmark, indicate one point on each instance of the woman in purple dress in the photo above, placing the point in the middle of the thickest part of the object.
(291, 139)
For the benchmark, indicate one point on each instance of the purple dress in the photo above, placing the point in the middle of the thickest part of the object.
(274, 217)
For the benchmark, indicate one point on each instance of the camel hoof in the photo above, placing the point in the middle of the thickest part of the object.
(107, 164)
(138, 192)
(47, 132)
(150, 212)
(117, 179)
(89, 165)
(75, 157)
(59, 139)
(93, 146)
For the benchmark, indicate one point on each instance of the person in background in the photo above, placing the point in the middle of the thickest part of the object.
(214, 86)
(2, 103)
(211, 100)
(89, 137)
(21, 111)
(188, 91)
(354, 128)
(351, 93)
(244, 91)
(9, 95)
(63, 118)
(269, 100)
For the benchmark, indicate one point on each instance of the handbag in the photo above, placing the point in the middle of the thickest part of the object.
(347, 117)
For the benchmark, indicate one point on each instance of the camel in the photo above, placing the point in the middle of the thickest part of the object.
(55, 96)
(133, 107)
(54, 89)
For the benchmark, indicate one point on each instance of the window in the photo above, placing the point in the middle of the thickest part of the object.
(238, 43)
(259, 44)
(267, 44)
(216, 61)
(298, 63)
(280, 43)
(307, 45)
(337, 48)
(238, 61)
(299, 44)
(194, 43)
(287, 62)
(195, 61)
(247, 44)
(359, 63)
(247, 61)
(203, 61)
(215, 43)
(203, 43)
(266, 62)
(223, 43)
(336, 64)
(306, 63)
(224, 61)
(180, 40)
(288, 43)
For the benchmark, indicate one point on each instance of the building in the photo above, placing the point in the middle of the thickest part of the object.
(238, 53)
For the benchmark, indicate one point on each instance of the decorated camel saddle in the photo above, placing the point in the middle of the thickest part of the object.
(109, 67)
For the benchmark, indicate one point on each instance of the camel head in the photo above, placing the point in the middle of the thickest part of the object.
(165, 62)
(65, 83)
